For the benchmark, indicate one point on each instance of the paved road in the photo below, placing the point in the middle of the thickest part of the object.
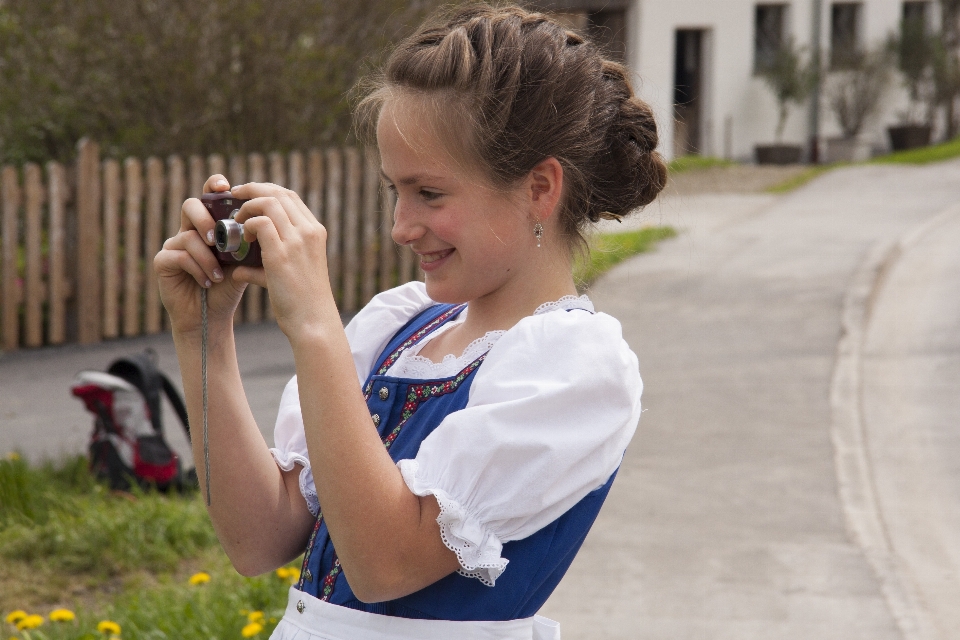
(795, 474)
(733, 516)
(40, 419)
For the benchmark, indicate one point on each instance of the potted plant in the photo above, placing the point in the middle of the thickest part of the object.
(790, 79)
(914, 48)
(854, 95)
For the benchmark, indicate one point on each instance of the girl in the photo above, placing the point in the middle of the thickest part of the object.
(442, 458)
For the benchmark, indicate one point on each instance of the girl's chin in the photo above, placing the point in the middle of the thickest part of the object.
(440, 291)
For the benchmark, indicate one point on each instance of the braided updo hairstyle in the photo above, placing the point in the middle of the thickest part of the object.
(525, 89)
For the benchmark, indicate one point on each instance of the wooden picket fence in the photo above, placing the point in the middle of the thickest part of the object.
(77, 242)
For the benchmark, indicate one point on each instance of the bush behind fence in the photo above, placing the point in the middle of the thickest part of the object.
(77, 242)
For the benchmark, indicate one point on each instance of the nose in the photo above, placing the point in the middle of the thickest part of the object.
(407, 226)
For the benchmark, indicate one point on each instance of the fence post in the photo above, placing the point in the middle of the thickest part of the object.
(176, 194)
(132, 253)
(295, 174)
(56, 285)
(198, 175)
(88, 278)
(315, 183)
(111, 248)
(388, 248)
(11, 243)
(331, 218)
(371, 220)
(153, 310)
(33, 298)
(351, 220)
(253, 296)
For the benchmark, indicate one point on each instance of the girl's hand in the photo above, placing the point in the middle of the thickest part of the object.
(293, 247)
(186, 263)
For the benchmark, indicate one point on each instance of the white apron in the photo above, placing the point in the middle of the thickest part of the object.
(308, 618)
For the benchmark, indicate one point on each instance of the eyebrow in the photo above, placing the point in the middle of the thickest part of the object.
(408, 180)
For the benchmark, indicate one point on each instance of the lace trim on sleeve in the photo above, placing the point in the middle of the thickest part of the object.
(565, 304)
(286, 461)
(477, 549)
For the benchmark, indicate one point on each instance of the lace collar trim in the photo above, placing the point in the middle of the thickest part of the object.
(412, 365)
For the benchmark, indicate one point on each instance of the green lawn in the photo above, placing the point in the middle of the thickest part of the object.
(67, 541)
(925, 155)
(608, 249)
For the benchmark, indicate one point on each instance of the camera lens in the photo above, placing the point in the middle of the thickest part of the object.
(229, 236)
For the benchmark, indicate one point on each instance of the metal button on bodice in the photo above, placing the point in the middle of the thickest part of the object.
(384, 393)
(376, 419)
(308, 576)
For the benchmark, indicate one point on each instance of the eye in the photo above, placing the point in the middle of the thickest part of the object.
(429, 195)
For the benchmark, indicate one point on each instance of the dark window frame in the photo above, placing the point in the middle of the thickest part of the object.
(769, 33)
(846, 34)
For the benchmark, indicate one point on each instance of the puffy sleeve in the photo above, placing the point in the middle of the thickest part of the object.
(550, 414)
(368, 333)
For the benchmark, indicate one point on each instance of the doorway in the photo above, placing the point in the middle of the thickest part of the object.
(688, 92)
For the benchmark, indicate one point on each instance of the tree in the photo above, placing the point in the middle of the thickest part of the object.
(163, 76)
(790, 79)
(914, 48)
(855, 93)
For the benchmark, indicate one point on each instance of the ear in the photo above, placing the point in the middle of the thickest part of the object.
(546, 186)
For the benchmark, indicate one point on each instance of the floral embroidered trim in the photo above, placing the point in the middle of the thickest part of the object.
(420, 333)
(330, 581)
(417, 394)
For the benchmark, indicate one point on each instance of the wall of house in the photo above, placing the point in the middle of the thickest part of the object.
(739, 111)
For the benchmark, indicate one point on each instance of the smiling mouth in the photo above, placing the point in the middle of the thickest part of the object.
(428, 258)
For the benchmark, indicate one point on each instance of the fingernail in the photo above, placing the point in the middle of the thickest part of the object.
(217, 275)
(221, 183)
(208, 284)
(210, 236)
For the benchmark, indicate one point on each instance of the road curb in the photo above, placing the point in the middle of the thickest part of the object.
(849, 435)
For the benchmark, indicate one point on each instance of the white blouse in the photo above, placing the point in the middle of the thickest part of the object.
(549, 415)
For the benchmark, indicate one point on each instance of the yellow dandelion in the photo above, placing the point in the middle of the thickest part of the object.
(251, 630)
(16, 616)
(13, 456)
(30, 622)
(200, 578)
(255, 616)
(62, 615)
(108, 626)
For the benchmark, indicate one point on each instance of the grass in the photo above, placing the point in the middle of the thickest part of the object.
(693, 163)
(66, 540)
(803, 178)
(608, 249)
(934, 153)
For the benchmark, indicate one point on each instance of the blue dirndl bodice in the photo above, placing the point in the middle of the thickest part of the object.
(404, 412)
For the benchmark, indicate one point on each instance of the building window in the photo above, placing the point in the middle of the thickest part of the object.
(770, 22)
(845, 18)
(917, 13)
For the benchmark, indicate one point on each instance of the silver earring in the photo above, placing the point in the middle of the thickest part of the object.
(538, 233)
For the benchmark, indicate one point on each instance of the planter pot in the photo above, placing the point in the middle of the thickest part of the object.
(909, 136)
(778, 153)
(846, 150)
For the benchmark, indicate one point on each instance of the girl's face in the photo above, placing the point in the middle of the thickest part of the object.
(472, 240)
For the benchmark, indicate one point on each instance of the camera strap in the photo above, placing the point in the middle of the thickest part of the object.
(203, 375)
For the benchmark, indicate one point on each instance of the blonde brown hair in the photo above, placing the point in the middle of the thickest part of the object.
(527, 89)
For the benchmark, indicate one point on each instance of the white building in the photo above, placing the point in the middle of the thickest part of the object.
(697, 61)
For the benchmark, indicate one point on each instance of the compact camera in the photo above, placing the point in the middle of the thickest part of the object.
(231, 248)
